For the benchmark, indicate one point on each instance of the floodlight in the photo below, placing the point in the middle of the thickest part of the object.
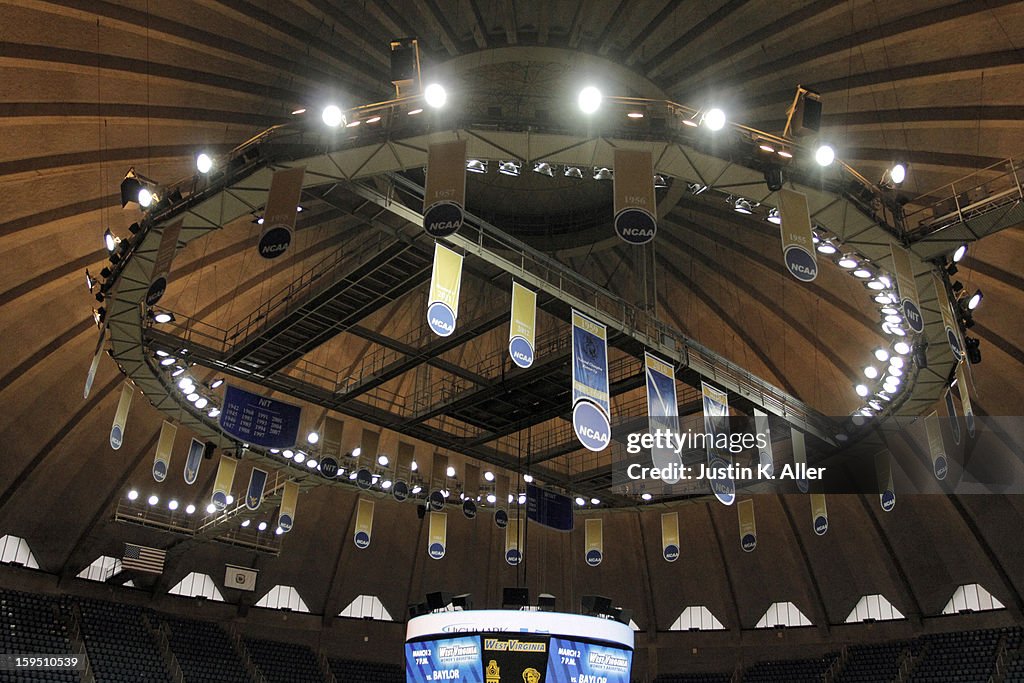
(589, 99)
(332, 116)
(204, 163)
(435, 96)
(714, 119)
(825, 155)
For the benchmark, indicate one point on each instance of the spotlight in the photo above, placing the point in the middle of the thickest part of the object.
(332, 116)
(89, 281)
(202, 402)
(476, 166)
(975, 299)
(192, 397)
(488, 475)
(154, 499)
(383, 460)
(414, 466)
(132, 187)
(581, 501)
(216, 383)
(246, 523)
(133, 494)
(110, 241)
(491, 498)
(862, 390)
(573, 172)
(311, 464)
(862, 273)
(959, 254)
(528, 478)
(646, 496)
(847, 261)
(635, 115)
(415, 111)
(450, 471)
(544, 168)
(595, 501)
(659, 182)
(356, 452)
(773, 178)
(163, 317)
(146, 197)
(172, 505)
(510, 168)
(714, 119)
(774, 217)
(871, 372)
(204, 163)
(99, 315)
(696, 188)
(262, 526)
(190, 509)
(826, 248)
(435, 96)
(741, 205)
(901, 347)
(312, 437)
(825, 155)
(973, 345)
(882, 355)
(299, 457)
(898, 173)
(603, 174)
(876, 285)
(589, 99)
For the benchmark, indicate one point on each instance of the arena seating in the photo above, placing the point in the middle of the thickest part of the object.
(284, 662)
(963, 656)
(29, 624)
(204, 652)
(121, 649)
(789, 670)
(352, 671)
(693, 678)
(871, 663)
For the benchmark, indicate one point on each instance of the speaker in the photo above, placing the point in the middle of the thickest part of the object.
(806, 114)
(546, 602)
(596, 604)
(773, 178)
(921, 355)
(439, 600)
(421, 511)
(208, 448)
(403, 60)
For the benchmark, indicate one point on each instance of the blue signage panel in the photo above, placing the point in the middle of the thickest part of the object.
(548, 508)
(259, 420)
(452, 659)
(570, 661)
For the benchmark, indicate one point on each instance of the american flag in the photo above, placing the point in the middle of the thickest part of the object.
(143, 559)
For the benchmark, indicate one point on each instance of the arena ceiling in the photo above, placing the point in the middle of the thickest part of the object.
(93, 88)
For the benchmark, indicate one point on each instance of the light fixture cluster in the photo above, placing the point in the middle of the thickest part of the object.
(153, 501)
(199, 395)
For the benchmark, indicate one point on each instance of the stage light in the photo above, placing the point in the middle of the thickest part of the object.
(288, 454)
(491, 498)
(488, 475)
(589, 99)
(544, 168)
(580, 501)
(876, 285)
(476, 166)
(163, 317)
(110, 241)
(167, 362)
(204, 163)
(825, 155)
(414, 466)
(862, 273)
(332, 116)
(353, 475)
(202, 402)
(883, 299)
(186, 384)
(262, 526)
(190, 509)
(603, 173)
(659, 182)
(146, 197)
(416, 111)
(99, 315)
(246, 523)
(383, 460)
(278, 531)
(714, 119)
(528, 478)
(826, 248)
(896, 362)
(871, 372)
(773, 178)
(895, 371)
(386, 484)
(741, 205)
(172, 505)
(450, 471)
(299, 457)
(573, 172)
(133, 494)
(417, 489)
(216, 383)
(862, 390)
(894, 319)
(510, 168)
(973, 345)
(975, 299)
(775, 218)
(311, 464)
(646, 496)
(959, 254)
(435, 96)
(902, 348)
(847, 261)
(882, 355)
(898, 173)
(312, 437)
(595, 501)
(192, 397)
(154, 499)
(522, 498)
(356, 452)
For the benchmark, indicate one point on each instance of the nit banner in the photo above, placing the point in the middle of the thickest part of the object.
(445, 282)
(591, 407)
(907, 287)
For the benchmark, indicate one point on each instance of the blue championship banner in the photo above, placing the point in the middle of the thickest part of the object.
(716, 426)
(437, 539)
(451, 659)
(591, 407)
(570, 661)
(633, 192)
(551, 509)
(257, 485)
(164, 447)
(445, 193)
(797, 238)
(965, 397)
(222, 483)
(670, 536)
(522, 330)
(121, 416)
(193, 460)
(764, 455)
(936, 449)
(748, 525)
(906, 287)
(594, 541)
(819, 513)
(445, 282)
(662, 411)
(289, 501)
(364, 524)
(956, 344)
(258, 420)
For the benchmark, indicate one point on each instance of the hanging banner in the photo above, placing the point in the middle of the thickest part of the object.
(445, 193)
(90, 376)
(364, 524)
(965, 397)
(594, 542)
(936, 449)
(819, 514)
(956, 344)
(748, 526)
(121, 416)
(591, 397)
(551, 509)
(799, 458)
(331, 431)
(662, 413)
(883, 472)
(633, 189)
(797, 238)
(764, 452)
(280, 212)
(522, 330)
(438, 536)
(954, 421)
(259, 420)
(162, 263)
(907, 287)
(501, 500)
(716, 426)
(670, 536)
(222, 483)
(289, 500)
(254, 491)
(445, 282)
(514, 541)
(193, 460)
(164, 449)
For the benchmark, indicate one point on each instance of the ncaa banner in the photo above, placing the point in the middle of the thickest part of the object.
(764, 455)
(254, 491)
(514, 540)
(819, 514)
(883, 472)
(193, 460)
(445, 193)
(289, 500)
(279, 215)
(670, 536)
(164, 448)
(364, 524)
(907, 287)
(799, 457)
(437, 539)
(956, 344)
(222, 483)
(445, 282)
(633, 188)
(797, 238)
(121, 416)
(954, 421)
(965, 397)
(936, 449)
(591, 397)
(162, 263)
(662, 410)
(522, 330)
(748, 525)
(594, 541)
(716, 424)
